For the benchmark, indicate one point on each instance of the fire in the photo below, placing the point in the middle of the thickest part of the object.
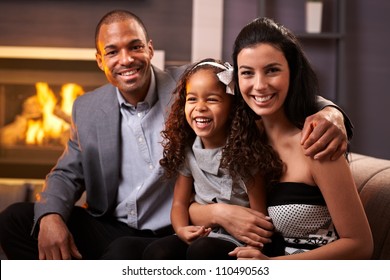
(55, 119)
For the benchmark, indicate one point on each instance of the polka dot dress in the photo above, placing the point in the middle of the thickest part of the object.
(299, 213)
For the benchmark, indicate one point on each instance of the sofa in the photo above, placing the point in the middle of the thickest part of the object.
(372, 177)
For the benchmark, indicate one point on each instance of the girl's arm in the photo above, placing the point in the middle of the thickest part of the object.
(179, 212)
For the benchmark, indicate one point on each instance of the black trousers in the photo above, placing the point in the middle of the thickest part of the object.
(203, 248)
(95, 238)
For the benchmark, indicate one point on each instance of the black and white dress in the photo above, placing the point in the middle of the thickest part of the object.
(299, 213)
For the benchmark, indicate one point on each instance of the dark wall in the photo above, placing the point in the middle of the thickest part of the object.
(56, 23)
(368, 71)
(366, 96)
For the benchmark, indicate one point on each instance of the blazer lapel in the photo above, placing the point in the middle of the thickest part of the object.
(108, 135)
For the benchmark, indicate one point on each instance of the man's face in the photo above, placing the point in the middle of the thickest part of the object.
(125, 57)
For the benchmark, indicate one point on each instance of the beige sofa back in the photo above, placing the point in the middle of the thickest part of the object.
(372, 177)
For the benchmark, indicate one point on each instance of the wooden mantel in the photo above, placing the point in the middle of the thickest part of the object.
(18, 52)
(49, 53)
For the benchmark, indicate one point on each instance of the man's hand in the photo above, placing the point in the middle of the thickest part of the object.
(324, 134)
(55, 242)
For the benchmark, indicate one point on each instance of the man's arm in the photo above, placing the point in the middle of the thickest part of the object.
(325, 103)
(326, 133)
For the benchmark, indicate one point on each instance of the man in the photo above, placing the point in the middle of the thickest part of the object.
(113, 154)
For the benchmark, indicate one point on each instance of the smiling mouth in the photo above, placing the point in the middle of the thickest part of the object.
(128, 73)
(263, 98)
(202, 120)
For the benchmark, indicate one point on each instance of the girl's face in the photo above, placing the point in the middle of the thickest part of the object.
(207, 108)
(263, 77)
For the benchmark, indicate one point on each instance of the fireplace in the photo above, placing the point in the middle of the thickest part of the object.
(36, 82)
(37, 89)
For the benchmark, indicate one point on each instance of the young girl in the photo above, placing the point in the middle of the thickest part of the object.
(214, 148)
(315, 206)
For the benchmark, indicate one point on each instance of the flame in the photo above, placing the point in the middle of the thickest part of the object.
(55, 119)
(34, 132)
(69, 93)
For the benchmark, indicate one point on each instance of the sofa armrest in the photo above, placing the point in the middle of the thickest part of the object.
(372, 178)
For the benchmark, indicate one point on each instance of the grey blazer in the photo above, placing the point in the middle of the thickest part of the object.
(91, 159)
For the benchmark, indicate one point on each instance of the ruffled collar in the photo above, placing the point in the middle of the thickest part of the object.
(208, 159)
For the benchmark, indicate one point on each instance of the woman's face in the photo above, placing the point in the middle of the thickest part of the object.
(263, 77)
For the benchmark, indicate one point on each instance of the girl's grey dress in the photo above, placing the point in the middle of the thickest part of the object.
(213, 184)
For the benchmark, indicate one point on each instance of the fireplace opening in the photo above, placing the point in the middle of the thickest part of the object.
(34, 126)
(31, 77)
(36, 98)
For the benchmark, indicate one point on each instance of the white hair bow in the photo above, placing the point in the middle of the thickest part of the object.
(226, 76)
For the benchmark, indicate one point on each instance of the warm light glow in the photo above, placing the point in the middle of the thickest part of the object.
(55, 117)
(69, 93)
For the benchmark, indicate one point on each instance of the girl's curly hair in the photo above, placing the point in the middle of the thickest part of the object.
(246, 146)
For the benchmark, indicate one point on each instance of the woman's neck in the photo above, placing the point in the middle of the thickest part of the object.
(278, 126)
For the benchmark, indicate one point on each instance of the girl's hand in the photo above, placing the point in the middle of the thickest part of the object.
(191, 233)
(248, 253)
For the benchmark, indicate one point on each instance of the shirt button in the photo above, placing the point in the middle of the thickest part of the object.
(150, 166)
(139, 115)
(140, 139)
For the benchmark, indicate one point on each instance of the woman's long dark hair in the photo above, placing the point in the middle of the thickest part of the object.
(303, 90)
(245, 145)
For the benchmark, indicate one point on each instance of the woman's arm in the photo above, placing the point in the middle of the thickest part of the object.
(245, 224)
(346, 210)
(347, 214)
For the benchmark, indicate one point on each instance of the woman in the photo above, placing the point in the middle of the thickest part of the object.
(315, 206)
